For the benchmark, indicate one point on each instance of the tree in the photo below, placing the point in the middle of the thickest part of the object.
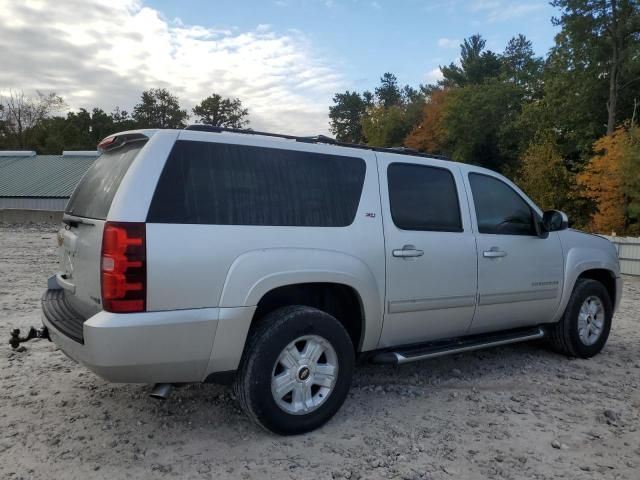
(20, 114)
(476, 64)
(630, 173)
(389, 93)
(430, 135)
(479, 121)
(221, 112)
(158, 108)
(544, 175)
(345, 115)
(603, 36)
(521, 66)
(385, 127)
(122, 120)
(602, 182)
(81, 130)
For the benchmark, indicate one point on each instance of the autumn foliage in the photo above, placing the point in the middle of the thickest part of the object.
(602, 181)
(430, 134)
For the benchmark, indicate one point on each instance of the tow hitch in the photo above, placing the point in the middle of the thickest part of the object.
(16, 339)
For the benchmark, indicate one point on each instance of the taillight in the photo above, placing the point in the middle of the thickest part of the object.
(123, 267)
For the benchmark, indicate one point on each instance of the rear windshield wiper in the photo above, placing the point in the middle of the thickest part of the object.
(73, 221)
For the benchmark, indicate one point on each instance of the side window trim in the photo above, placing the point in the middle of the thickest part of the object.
(456, 191)
(534, 214)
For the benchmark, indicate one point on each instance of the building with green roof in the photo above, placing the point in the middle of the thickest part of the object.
(41, 182)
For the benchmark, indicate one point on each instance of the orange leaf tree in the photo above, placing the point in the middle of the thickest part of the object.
(430, 135)
(602, 182)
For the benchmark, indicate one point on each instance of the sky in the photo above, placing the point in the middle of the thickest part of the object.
(285, 59)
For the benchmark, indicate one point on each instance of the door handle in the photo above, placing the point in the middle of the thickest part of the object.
(407, 251)
(494, 252)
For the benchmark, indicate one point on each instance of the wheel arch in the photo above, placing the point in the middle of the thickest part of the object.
(600, 271)
(270, 275)
(337, 299)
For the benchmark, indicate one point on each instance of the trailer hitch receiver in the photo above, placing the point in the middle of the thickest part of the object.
(16, 339)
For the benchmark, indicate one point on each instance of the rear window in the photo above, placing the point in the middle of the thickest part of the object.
(93, 196)
(224, 184)
(423, 198)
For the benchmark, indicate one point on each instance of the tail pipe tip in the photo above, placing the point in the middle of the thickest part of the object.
(161, 391)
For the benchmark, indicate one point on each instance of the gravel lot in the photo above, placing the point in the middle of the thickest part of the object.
(512, 412)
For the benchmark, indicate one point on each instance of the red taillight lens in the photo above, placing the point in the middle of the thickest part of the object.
(123, 267)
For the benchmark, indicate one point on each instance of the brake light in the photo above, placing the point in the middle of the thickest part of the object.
(123, 267)
(106, 143)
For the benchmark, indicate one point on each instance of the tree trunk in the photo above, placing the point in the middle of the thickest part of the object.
(613, 97)
(615, 69)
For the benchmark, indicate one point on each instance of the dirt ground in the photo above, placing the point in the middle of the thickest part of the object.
(513, 412)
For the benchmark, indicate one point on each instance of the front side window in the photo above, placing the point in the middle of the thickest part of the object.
(226, 184)
(499, 208)
(423, 198)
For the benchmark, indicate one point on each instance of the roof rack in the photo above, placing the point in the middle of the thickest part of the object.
(317, 139)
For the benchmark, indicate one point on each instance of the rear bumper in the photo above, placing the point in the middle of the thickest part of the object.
(170, 346)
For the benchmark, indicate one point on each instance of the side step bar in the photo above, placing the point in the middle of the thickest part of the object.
(413, 353)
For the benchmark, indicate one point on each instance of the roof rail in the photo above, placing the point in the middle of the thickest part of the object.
(317, 139)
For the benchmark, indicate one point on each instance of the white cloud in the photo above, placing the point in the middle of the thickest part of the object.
(106, 52)
(449, 42)
(433, 76)
(500, 10)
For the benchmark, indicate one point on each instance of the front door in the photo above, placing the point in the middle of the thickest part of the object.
(519, 273)
(430, 252)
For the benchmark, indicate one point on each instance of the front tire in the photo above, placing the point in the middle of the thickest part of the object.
(296, 370)
(584, 328)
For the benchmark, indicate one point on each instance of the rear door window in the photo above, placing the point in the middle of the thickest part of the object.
(226, 184)
(93, 196)
(423, 198)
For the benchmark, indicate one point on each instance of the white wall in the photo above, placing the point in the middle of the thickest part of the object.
(628, 253)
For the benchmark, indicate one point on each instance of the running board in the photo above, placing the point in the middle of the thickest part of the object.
(414, 353)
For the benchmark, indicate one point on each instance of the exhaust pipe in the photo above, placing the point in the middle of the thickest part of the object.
(161, 391)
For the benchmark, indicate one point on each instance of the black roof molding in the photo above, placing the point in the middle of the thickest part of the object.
(316, 139)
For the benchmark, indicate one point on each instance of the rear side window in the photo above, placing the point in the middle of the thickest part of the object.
(93, 196)
(423, 198)
(499, 209)
(225, 184)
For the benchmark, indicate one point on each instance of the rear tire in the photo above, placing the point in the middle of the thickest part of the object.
(296, 370)
(584, 327)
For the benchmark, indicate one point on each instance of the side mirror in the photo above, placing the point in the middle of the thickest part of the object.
(554, 220)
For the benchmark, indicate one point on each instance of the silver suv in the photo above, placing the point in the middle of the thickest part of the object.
(274, 262)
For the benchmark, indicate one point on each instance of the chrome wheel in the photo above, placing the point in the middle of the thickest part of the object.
(304, 375)
(591, 320)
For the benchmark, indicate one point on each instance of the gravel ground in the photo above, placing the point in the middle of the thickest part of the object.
(513, 412)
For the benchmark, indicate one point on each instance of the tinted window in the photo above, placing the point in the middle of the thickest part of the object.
(93, 196)
(499, 209)
(223, 184)
(423, 198)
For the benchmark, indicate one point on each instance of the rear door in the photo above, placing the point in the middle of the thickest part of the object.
(80, 239)
(430, 251)
(519, 273)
